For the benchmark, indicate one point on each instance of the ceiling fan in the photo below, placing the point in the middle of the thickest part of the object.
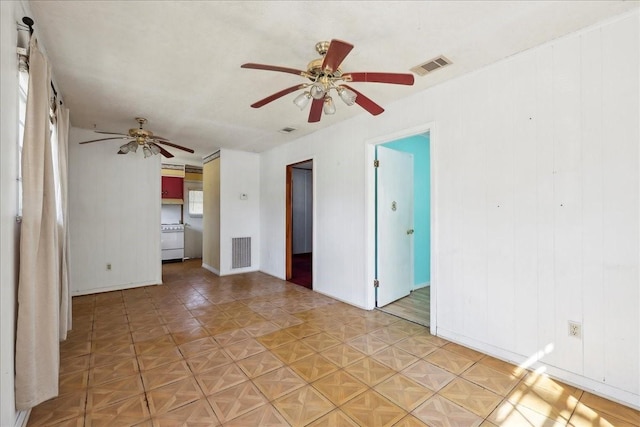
(325, 75)
(141, 137)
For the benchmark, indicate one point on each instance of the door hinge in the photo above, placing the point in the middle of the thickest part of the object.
(376, 283)
(376, 163)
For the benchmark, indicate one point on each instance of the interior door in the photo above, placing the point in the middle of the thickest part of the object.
(193, 220)
(394, 233)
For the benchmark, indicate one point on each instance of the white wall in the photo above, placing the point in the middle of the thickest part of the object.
(10, 12)
(535, 199)
(114, 216)
(339, 205)
(239, 174)
(171, 214)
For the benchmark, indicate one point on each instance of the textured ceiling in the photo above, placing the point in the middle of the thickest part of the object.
(177, 63)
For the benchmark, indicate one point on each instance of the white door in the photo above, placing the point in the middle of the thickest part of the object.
(394, 224)
(193, 219)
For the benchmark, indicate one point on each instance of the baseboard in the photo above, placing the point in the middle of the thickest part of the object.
(211, 269)
(587, 384)
(122, 287)
(420, 286)
(22, 418)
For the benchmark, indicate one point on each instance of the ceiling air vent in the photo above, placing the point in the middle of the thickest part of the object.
(431, 65)
(287, 130)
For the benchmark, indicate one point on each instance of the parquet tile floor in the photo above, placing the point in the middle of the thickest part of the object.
(251, 350)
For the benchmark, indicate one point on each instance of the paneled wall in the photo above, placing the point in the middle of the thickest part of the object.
(536, 202)
(239, 206)
(114, 217)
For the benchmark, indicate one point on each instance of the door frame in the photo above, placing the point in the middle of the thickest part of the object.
(370, 213)
(289, 218)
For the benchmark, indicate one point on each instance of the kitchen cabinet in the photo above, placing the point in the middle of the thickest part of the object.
(172, 189)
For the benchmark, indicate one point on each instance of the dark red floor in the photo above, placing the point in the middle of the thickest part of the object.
(301, 268)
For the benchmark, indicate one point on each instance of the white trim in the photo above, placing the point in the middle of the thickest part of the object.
(122, 287)
(206, 159)
(22, 418)
(420, 286)
(351, 303)
(370, 211)
(211, 269)
(604, 390)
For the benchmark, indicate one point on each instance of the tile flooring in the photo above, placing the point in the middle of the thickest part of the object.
(251, 350)
(414, 307)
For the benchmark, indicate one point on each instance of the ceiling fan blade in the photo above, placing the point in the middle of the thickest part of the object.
(164, 152)
(110, 133)
(171, 144)
(365, 102)
(273, 68)
(394, 78)
(315, 113)
(104, 139)
(338, 50)
(277, 95)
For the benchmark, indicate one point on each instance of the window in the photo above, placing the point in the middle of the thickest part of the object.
(23, 89)
(195, 202)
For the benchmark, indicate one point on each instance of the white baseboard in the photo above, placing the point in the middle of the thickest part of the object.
(22, 418)
(420, 286)
(623, 397)
(124, 286)
(211, 269)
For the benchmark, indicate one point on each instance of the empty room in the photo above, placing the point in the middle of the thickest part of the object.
(320, 213)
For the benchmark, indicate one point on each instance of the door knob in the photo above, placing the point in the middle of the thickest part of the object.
(410, 231)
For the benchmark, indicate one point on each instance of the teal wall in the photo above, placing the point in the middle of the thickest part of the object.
(418, 145)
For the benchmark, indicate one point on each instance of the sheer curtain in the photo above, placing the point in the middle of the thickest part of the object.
(62, 131)
(43, 301)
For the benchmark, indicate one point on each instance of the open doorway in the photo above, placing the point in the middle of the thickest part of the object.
(193, 212)
(299, 224)
(403, 239)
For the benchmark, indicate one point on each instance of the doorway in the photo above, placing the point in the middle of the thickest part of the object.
(299, 223)
(193, 212)
(403, 243)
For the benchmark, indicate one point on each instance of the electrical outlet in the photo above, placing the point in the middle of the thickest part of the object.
(575, 329)
(108, 266)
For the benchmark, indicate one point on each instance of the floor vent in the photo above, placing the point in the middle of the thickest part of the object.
(240, 252)
(431, 65)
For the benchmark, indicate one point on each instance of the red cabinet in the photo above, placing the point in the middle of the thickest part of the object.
(172, 187)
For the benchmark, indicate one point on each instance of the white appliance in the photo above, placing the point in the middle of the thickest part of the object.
(172, 242)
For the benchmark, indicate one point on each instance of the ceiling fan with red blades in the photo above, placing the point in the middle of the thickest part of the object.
(149, 142)
(325, 75)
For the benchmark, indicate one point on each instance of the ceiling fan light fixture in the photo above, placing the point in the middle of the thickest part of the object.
(147, 152)
(133, 146)
(317, 90)
(347, 95)
(154, 149)
(124, 148)
(329, 107)
(302, 100)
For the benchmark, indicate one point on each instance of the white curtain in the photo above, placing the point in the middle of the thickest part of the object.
(39, 291)
(62, 129)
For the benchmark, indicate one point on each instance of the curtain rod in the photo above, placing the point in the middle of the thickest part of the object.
(28, 22)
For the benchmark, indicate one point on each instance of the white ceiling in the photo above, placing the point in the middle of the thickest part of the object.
(177, 63)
